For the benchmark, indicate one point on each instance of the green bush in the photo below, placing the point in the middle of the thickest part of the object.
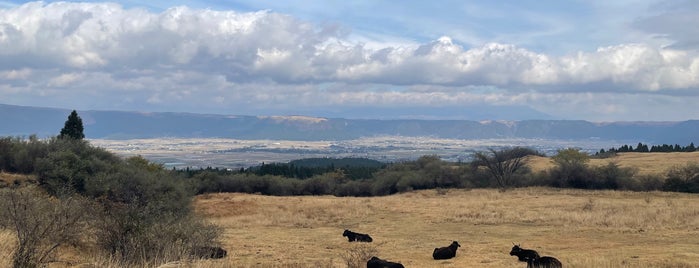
(146, 214)
(683, 178)
(611, 176)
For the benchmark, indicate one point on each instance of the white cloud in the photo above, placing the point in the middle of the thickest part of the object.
(266, 46)
(15, 74)
(65, 79)
(270, 59)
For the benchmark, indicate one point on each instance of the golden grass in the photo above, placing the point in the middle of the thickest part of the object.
(644, 163)
(11, 178)
(581, 228)
(7, 244)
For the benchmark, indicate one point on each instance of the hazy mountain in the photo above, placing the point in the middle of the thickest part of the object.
(466, 112)
(24, 121)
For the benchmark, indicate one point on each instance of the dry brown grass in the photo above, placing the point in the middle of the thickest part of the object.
(7, 244)
(644, 163)
(581, 228)
(11, 178)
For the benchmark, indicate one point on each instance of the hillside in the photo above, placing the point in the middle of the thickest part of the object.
(644, 163)
(24, 121)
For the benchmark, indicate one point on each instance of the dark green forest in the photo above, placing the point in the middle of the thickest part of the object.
(644, 148)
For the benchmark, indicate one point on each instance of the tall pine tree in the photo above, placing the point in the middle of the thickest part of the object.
(73, 128)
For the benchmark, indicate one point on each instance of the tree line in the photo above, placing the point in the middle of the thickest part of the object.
(644, 148)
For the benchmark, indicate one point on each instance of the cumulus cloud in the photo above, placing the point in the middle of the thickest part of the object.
(221, 58)
(265, 46)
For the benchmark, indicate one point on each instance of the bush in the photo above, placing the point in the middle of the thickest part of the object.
(385, 184)
(642, 183)
(41, 224)
(611, 176)
(354, 188)
(683, 178)
(69, 164)
(358, 255)
(145, 214)
(136, 236)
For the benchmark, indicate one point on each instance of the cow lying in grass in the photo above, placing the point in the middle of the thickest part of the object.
(544, 262)
(523, 254)
(375, 262)
(444, 253)
(209, 252)
(352, 236)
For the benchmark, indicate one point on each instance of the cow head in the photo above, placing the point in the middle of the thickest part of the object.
(516, 249)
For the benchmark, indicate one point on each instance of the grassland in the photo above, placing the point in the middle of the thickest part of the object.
(643, 163)
(581, 228)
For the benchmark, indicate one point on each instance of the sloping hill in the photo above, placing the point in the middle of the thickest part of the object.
(644, 163)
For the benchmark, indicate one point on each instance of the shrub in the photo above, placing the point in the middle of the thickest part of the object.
(611, 176)
(358, 255)
(683, 178)
(385, 183)
(645, 183)
(145, 215)
(69, 164)
(41, 224)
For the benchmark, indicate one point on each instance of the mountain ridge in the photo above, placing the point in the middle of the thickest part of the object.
(45, 122)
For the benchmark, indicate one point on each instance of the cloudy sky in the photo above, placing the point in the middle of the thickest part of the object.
(625, 60)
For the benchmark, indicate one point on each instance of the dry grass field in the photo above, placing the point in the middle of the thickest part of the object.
(10, 179)
(644, 163)
(580, 228)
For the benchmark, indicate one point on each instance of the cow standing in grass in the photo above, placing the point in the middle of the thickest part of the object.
(352, 236)
(544, 262)
(524, 255)
(444, 253)
(375, 262)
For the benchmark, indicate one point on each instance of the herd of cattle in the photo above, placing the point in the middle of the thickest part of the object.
(531, 257)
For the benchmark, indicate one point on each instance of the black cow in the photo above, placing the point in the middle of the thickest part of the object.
(544, 262)
(209, 252)
(444, 253)
(524, 254)
(352, 236)
(375, 262)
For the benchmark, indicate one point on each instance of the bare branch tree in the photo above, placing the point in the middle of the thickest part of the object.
(503, 164)
(41, 223)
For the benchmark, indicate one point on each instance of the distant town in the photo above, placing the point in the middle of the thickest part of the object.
(181, 153)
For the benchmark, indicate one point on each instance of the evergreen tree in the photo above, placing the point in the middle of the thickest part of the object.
(73, 128)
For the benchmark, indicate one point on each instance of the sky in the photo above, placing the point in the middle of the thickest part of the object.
(601, 61)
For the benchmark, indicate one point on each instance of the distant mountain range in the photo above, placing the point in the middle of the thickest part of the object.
(44, 122)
